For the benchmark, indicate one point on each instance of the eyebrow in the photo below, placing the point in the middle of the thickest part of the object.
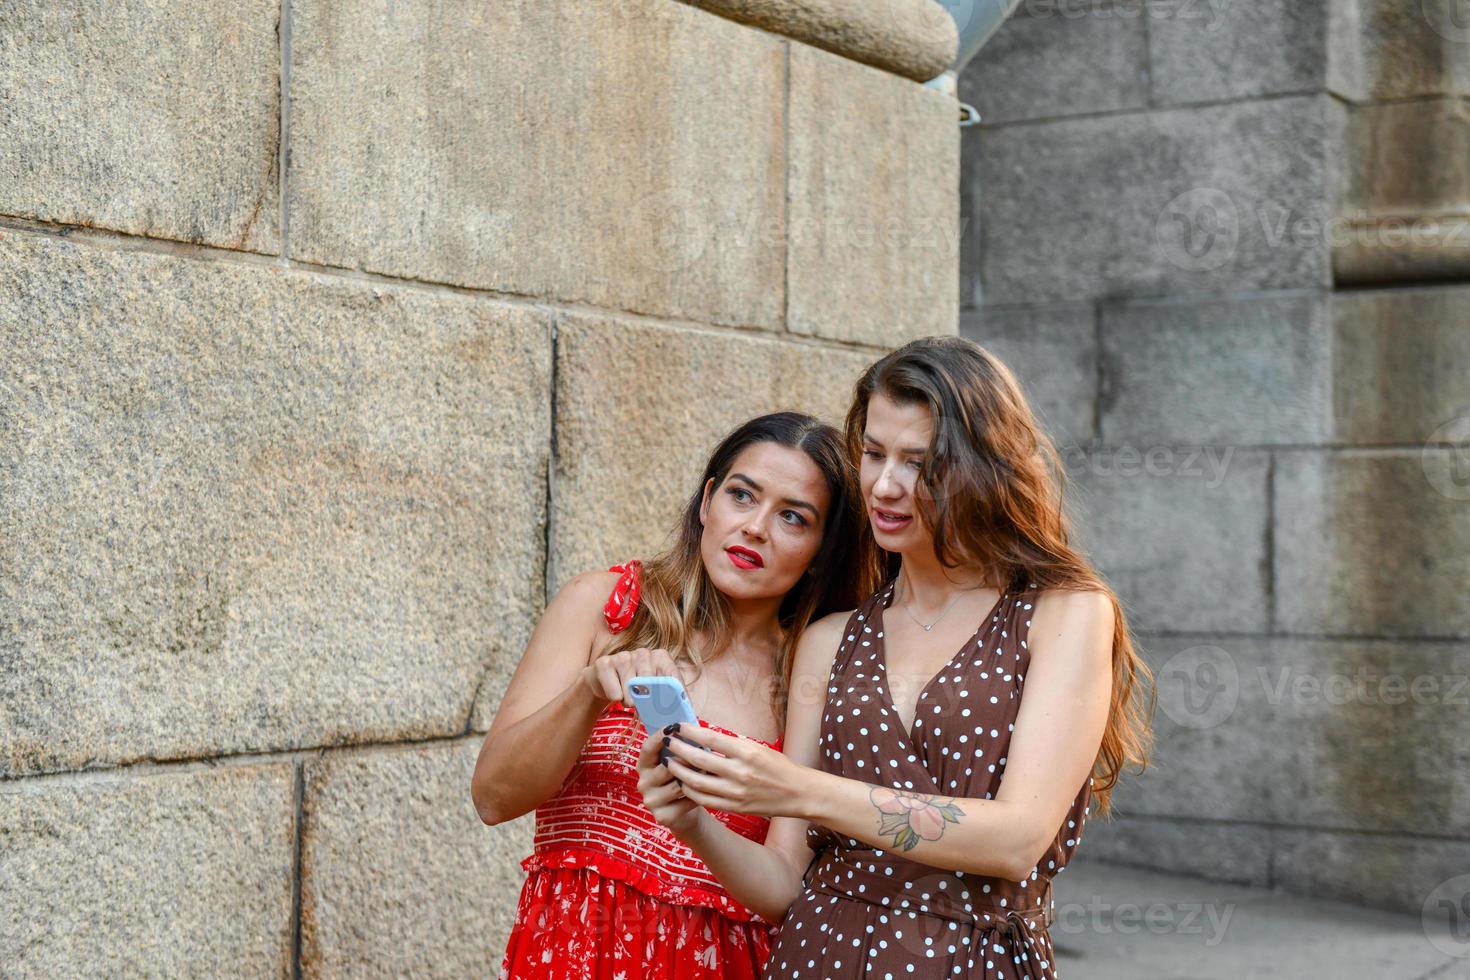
(789, 501)
(906, 450)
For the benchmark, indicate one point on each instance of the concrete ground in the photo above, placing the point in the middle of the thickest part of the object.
(1116, 923)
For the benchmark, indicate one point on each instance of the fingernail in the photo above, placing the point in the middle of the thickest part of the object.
(668, 729)
(666, 740)
(676, 725)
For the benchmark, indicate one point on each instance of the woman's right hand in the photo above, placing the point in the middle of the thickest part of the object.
(663, 794)
(607, 677)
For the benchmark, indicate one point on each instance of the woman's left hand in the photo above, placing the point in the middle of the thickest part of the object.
(740, 776)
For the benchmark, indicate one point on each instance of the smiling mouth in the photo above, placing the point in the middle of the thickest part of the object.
(886, 520)
(744, 558)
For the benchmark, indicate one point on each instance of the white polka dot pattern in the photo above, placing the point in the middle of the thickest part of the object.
(866, 912)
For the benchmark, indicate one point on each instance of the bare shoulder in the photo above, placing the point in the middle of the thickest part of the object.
(830, 626)
(594, 586)
(567, 635)
(810, 674)
(824, 633)
(581, 600)
(1084, 603)
(819, 642)
(1085, 615)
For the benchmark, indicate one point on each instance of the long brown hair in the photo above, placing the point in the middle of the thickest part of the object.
(679, 602)
(993, 487)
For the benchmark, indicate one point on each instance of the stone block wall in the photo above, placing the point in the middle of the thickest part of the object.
(1225, 246)
(336, 337)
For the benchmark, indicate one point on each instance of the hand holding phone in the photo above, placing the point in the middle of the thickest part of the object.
(660, 702)
(607, 676)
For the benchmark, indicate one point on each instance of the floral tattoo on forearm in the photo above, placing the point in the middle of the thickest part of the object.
(912, 817)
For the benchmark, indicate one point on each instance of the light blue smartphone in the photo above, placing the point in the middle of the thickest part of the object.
(660, 702)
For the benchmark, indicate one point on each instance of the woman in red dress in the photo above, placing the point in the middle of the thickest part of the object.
(770, 539)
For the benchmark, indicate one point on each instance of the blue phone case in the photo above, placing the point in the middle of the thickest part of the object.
(660, 702)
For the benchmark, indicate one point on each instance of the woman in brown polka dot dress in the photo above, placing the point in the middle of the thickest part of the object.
(937, 921)
(946, 739)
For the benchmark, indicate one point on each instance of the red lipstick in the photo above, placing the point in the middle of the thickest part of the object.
(744, 558)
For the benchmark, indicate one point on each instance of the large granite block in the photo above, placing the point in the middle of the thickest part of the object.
(1218, 199)
(639, 407)
(153, 118)
(626, 155)
(1053, 352)
(874, 227)
(1373, 543)
(1409, 158)
(244, 509)
(1180, 533)
(619, 488)
(1207, 755)
(1354, 735)
(1217, 372)
(1219, 851)
(1400, 360)
(1406, 49)
(1402, 874)
(913, 38)
(1047, 61)
(1405, 195)
(174, 874)
(1203, 51)
(398, 875)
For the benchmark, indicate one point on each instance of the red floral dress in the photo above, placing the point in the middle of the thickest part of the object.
(611, 893)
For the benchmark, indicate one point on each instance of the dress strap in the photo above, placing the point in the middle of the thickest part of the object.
(622, 605)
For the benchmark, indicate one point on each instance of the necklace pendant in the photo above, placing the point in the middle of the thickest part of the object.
(927, 628)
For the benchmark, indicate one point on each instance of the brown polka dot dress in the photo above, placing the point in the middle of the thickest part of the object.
(866, 912)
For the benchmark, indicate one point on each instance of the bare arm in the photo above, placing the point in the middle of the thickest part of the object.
(766, 878)
(1058, 733)
(553, 700)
